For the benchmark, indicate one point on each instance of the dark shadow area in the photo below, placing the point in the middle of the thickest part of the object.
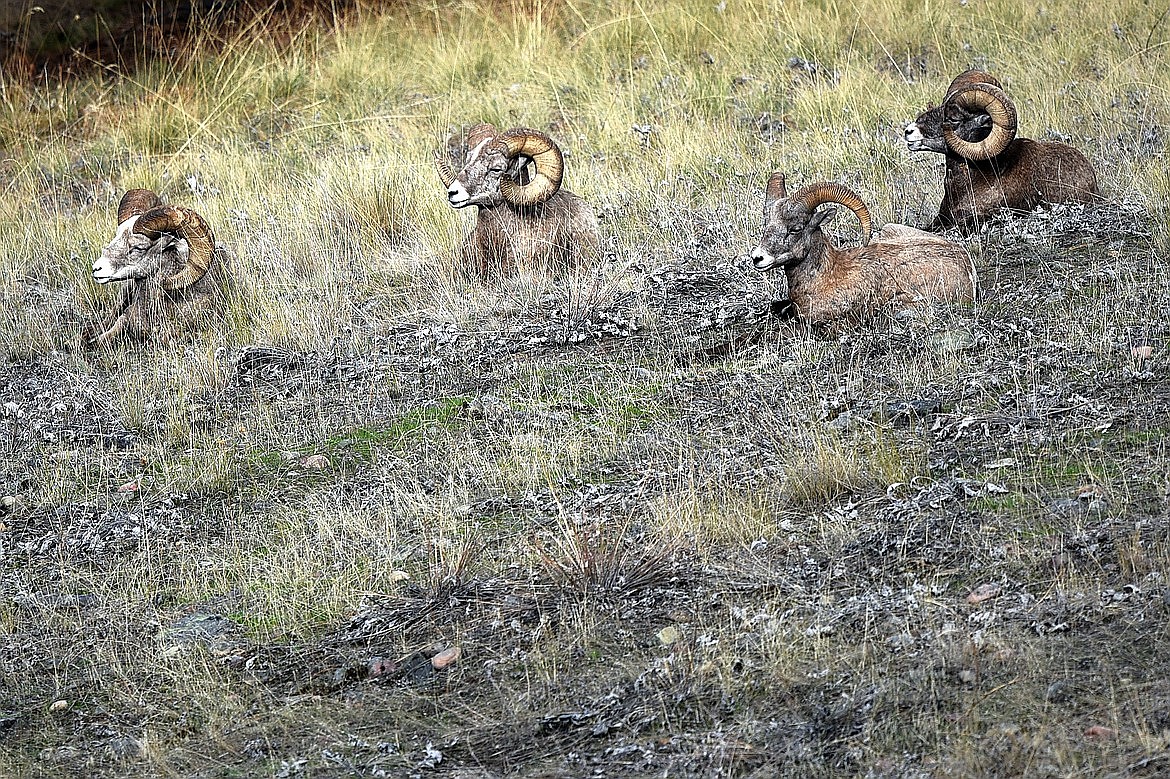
(55, 39)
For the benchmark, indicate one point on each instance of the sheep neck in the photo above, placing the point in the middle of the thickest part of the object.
(821, 255)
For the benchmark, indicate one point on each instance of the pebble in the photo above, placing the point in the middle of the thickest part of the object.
(8, 502)
(318, 462)
(983, 592)
(1058, 692)
(446, 658)
(1142, 352)
(669, 635)
(953, 341)
(380, 666)
(130, 486)
(1100, 733)
(56, 706)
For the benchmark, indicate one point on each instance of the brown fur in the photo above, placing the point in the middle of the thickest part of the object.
(554, 236)
(900, 267)
(145, 311)
(1024, 175)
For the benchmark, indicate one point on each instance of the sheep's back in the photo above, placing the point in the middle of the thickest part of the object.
(923, 267)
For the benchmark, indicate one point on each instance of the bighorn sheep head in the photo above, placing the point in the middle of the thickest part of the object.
(981, 99)
(497, 169)
(146, 229)
(926, 132)
(792, 224)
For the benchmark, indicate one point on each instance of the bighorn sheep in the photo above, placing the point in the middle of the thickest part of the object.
(901, 266)
(988, 167)
(524, 221)
(174, 268)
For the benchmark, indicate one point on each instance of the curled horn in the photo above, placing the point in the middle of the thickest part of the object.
(815, 195)
(774, 190)
(550, 166)
(136, 202)
(991, 100)
(446, 172)
(969, 77)
(478, 133)
(188, 225)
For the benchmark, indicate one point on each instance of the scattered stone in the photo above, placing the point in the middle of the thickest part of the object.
(57, 706)
(130, 486)
(399, 576)
(983, 592)
(446, 658)
(380, 666)
(953, 341)
(1100, 733)
(669, 635)
(1058, 692)
(1143, 352)
(901, 642)
(124, 747)
(967, 676)
(316, 462)
(213, 631)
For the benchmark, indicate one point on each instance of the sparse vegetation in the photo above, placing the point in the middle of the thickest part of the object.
(668, 534)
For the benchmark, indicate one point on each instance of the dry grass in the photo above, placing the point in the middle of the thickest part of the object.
(547, 472)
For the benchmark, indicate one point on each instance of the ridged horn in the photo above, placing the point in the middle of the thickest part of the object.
(969, 77)
(992, 101)
(774, 190)
(188, 225)
(816, 195)
(477, 133)
(550, 166)
(446, 172)
(136, 202)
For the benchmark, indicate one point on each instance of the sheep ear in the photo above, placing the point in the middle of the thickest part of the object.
(819, 218)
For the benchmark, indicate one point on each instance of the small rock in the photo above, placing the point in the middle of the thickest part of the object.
(1066, 506)
(380, 666)
(399, 576)
(446, 658)
(669, 635)
(967, 676)
(1100, 733)
(901, 642)
(8, 502)
(1142, 352)
(130, 486)
(56, 706)
(983, 592)
(317, 462)
(952, 341)
(1058, 692)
